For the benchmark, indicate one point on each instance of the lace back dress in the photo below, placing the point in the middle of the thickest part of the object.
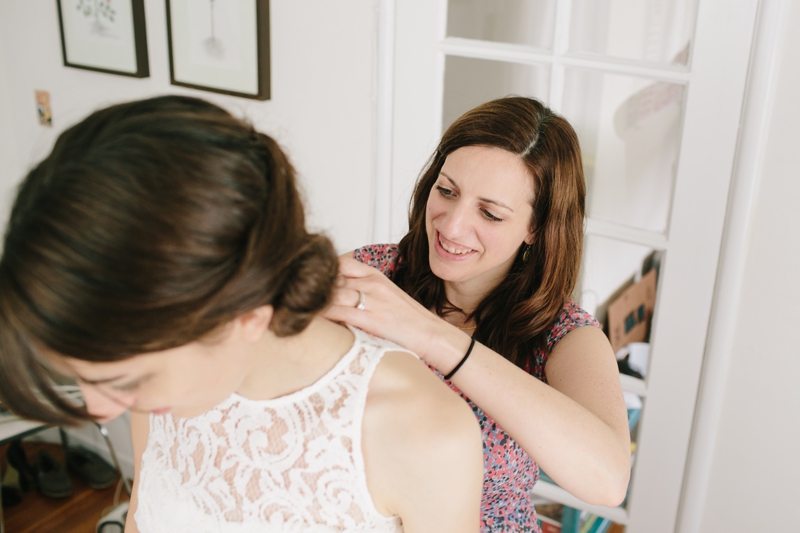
(288, 464)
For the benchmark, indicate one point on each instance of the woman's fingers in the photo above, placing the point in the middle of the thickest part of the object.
(346, 296)
(346, 314)
(386, 310)
(351, 268)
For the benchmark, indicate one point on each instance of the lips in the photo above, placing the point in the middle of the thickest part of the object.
(451, 247)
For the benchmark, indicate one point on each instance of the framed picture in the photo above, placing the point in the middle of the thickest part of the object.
(104, 35)
(220, 46)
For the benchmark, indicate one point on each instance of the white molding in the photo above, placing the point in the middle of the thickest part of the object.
(688, 275)
(758, 104)
(383, 112)
(602, 228)
(555, 95)
(441, 60)
(458, 46)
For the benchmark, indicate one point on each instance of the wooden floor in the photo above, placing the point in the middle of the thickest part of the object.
(77, 514)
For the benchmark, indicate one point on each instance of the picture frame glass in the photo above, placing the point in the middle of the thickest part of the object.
(215, 44)
(99, 34)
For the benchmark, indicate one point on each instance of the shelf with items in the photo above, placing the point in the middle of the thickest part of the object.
(558, 518)
(632, 384)
(553, 493)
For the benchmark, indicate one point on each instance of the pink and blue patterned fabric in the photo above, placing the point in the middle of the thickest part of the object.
(509, 473)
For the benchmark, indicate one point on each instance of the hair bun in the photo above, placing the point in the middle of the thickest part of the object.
(307, 288)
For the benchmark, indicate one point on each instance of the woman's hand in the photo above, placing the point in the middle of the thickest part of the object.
(390, 313)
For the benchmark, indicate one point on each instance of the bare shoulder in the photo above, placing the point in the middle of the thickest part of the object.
(422, 448)
(583, 353)
(403, 389)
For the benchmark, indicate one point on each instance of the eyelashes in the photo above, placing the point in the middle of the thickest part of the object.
(448, 193)
(491, 217)
(444, 191)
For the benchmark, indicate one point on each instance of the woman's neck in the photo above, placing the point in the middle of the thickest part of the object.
(282, 365)
(468, 295)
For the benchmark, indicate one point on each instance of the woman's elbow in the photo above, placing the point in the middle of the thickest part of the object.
(612, 491)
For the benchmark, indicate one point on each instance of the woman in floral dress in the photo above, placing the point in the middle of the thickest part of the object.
(480, 288)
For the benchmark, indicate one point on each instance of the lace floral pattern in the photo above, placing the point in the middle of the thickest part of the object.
(289, 464)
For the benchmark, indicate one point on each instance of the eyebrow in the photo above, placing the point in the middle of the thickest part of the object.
(99, 381)
(487, 200)
(116, 378)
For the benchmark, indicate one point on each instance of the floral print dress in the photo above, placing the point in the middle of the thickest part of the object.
(509, 473)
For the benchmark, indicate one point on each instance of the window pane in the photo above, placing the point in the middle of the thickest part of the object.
(658, 31)
(469, 82)
(630, 131)
(527, 22)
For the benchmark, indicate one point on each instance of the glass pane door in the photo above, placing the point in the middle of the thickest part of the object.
(654, 91)
(653, 31)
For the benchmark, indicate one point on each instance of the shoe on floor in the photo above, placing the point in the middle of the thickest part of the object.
(52, 479)
(12, 492)
(90, 467)
(15, 456)
(11, 497)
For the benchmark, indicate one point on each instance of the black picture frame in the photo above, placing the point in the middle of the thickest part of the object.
(75, 37)
(253, 52)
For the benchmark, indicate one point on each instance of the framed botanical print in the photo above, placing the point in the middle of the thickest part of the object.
(104, 36)
(220, 46)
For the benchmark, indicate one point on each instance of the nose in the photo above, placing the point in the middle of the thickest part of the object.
(455, 220)
(102, 405)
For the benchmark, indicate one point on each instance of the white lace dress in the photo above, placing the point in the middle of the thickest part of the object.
(288, 464)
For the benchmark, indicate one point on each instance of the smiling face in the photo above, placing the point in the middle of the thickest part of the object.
(478, 214)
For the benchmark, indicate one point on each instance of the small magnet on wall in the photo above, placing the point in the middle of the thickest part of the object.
(43, 108)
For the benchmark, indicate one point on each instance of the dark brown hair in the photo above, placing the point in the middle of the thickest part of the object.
(150, 225)
(515, 318)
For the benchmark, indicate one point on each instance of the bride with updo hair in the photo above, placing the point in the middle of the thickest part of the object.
(158, 257)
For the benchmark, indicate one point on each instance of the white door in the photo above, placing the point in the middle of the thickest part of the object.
(654, 89)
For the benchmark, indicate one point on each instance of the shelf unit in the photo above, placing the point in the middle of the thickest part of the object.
(411, 110)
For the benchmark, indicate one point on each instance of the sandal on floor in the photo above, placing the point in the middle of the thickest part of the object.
(90, 467)
(52, 479)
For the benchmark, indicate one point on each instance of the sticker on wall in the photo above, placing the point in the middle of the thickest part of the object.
(104, 36)
(220, 46)
(43, 108)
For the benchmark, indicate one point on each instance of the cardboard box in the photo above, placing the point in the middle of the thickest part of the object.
(629, 315)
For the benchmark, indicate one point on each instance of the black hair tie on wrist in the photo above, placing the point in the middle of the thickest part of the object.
(463, 360)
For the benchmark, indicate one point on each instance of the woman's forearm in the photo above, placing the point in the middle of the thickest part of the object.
(587, 455)
(579, 437)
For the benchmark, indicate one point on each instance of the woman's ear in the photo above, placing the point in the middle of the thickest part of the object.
(255, 322)
(530, 237)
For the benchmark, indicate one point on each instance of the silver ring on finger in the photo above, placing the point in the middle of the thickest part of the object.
(362, 298)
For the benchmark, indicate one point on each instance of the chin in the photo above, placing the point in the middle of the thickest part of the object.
(449, 273)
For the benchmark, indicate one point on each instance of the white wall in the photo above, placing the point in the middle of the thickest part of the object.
(754, 474)
(321, 109)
